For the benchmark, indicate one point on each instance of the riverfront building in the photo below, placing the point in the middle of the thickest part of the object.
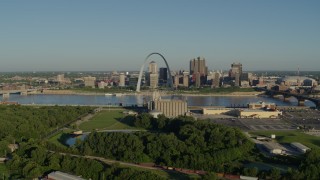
(169, 107)
(89, 81)
(254, 110)
(122, 80)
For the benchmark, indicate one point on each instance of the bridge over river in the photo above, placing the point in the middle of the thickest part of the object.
(6, 93)
(286, 95)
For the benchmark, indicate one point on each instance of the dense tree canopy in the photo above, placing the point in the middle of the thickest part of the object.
(34, 161)
(20, 123)
(180, 142)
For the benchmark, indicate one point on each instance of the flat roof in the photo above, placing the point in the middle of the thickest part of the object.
(299, 145)
(57, 175)
(256, 110)
(272, 145)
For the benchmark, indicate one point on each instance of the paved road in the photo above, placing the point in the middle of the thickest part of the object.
(110, 161)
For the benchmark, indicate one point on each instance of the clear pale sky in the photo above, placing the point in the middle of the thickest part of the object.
(77, 35)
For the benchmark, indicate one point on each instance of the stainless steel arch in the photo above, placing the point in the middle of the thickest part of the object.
(142, 67)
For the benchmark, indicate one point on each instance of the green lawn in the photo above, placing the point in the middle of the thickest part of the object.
(55, 139)
(3, 171)
(108, 119)
(292, 136)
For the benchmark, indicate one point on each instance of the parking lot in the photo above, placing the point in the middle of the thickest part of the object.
(267, 124)
(308, 118)
(290, 120)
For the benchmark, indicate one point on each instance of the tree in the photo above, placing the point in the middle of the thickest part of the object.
(275, 173)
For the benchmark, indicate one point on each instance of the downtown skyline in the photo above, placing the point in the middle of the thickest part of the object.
(113, 35)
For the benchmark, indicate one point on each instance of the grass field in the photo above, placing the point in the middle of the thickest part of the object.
(55, 139)
(292, 136)
(109, 120)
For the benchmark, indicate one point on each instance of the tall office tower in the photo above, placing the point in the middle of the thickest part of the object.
(186, 79)
(60, 78)
(163, 74)
(216, 79)
(198, 65)
(176, 80)
(237, 81)
(122, 80)
(235, 68)
(154, 78)
(198, 79)
(89, 81)
(153, 67)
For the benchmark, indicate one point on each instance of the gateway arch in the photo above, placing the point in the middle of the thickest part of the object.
(170, 83)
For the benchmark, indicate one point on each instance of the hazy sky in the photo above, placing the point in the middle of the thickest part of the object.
(72, 35)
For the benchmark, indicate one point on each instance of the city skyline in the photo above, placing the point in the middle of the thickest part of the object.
(106, 35)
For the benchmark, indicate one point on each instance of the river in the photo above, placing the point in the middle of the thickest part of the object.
(129, 100)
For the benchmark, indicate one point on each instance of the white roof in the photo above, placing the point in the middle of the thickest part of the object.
(299, 145)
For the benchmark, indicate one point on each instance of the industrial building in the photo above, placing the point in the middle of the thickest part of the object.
(169, 107)
(300, 147)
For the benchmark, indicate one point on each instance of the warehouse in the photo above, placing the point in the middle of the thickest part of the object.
(217, 110)
(258, 113)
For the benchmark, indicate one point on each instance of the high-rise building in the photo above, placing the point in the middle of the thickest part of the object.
(89, 81)
(198, 79)
(163, 75)
(122, 80)
(198, 65)
(60, 78)
(237, 81)
(154, 78)
(186, 79)
(216, 79)
(235, 68)
(153, 67)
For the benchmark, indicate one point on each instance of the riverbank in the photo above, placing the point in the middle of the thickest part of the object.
(149, 93)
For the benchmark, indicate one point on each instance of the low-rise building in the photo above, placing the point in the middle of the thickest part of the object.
(300, 147)
(261, 104)
(57, 175)
(273, 148)
(258, 113)
(216, 111)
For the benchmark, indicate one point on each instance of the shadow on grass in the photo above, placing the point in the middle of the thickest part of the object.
(136, 109)
(316, 142)
(63, 138)
(128, 120)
